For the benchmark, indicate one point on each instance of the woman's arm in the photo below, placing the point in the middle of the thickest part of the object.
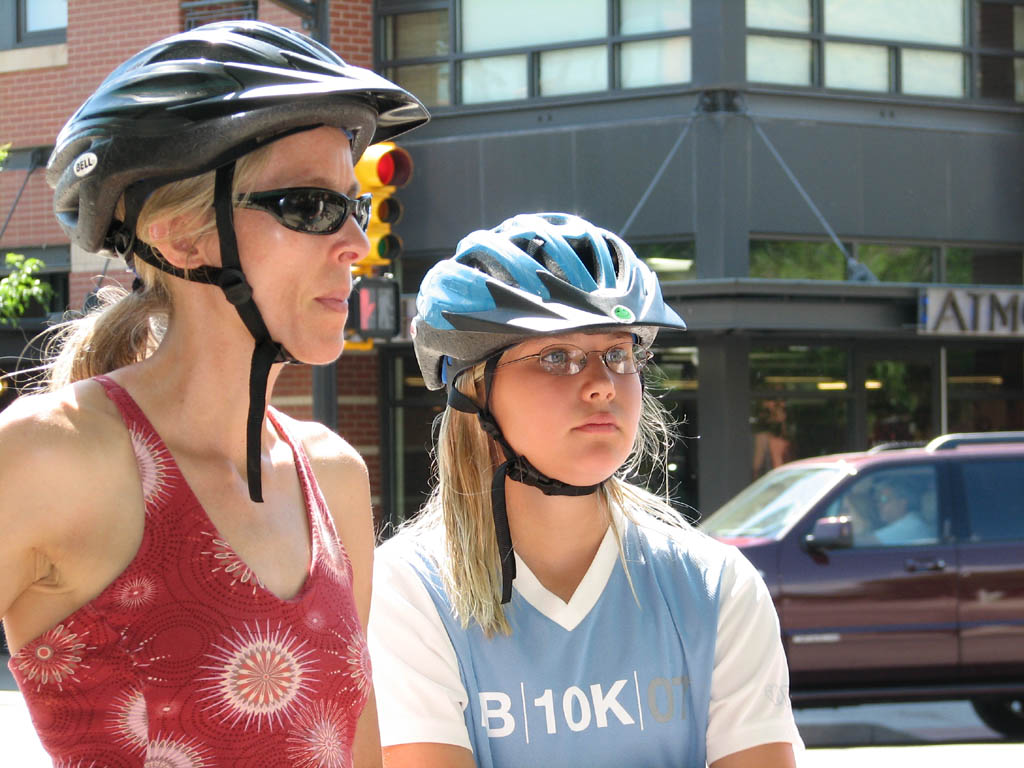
(343, 479)
(777, 755)
(425, 755)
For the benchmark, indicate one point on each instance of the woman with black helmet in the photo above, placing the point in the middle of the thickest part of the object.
(185, 571)
(543, 609)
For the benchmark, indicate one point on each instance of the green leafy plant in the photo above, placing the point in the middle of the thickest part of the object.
(21, 288)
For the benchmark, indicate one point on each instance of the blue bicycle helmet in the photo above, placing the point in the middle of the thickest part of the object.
(532, 275)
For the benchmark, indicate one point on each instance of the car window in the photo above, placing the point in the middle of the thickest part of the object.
(995, 499)
(891, 507)
(772, 503)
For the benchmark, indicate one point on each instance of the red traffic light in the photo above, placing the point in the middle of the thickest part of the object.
(394, 167)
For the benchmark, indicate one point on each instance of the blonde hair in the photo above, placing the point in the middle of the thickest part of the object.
(126, 327)
(459, 506)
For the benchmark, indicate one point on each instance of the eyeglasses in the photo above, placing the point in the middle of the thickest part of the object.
(568, 360)
(312, 210)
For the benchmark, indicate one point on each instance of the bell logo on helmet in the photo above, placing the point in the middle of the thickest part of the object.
(623, 314)
(85, 164)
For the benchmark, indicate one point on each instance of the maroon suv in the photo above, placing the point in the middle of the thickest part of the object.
(897, 575)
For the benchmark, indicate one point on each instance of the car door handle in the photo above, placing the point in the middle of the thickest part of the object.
(925, 565)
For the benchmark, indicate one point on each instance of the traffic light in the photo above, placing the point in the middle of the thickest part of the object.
(383, 168)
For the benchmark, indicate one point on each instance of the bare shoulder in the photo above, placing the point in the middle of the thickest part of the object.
(328, 451)
(49, 442)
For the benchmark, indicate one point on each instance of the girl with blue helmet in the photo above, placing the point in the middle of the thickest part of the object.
(186, 571)
(543, 609)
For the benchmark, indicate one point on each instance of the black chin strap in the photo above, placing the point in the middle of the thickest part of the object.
(516, 467)
(231, 280)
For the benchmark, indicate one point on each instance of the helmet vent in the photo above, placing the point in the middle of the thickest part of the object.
(484, 262)
(584, 248)
(618, 261)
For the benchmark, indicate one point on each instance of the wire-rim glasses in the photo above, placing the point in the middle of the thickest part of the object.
(568, 360)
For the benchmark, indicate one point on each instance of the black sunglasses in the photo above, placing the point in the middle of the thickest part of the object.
(312, 210)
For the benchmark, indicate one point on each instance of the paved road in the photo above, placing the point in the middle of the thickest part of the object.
(941, 735)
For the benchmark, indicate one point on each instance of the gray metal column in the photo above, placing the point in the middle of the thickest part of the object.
(721, 143)
(723, 402)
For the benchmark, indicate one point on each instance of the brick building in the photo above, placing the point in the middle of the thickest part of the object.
(48, 68)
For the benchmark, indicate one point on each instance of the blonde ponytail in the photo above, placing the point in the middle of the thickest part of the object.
(127, 327)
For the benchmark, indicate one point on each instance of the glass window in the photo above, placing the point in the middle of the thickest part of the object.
(891, 507)
(574, 70)
(670, 261)
(429, 82)
(497, 78)
(491, 24)
(782, 430)
(785, 259)
(995, 499)
(43, 15)
(798, 368)
(643, 16)
(985, 386)
(919, 21)
(1001, 77)
(787, 15)
(675, 369)
(998, 25)
(932, 73)
(856, 67)
(416, 35)
(1018, 28)
(899, 401)
(979, 266)
(899, 264)
(778, 60)
(655, 62)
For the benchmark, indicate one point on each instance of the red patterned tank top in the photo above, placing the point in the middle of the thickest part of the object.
(186, 659)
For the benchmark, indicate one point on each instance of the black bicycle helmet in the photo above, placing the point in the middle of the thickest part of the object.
(196, 102)
(532, 275)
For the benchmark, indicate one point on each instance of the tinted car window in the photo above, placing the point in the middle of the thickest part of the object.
(995, 499)
(891, 507)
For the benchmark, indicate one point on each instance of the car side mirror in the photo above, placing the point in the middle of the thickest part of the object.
(830, 533)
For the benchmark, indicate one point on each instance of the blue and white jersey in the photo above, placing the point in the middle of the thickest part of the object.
(607, 677)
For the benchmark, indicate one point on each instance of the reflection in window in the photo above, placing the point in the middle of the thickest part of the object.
(919, 21)
(899, 402)
(784, 15)
(497, 78)
(986, 387)
(778, 60)
(573, 70)
(983, 266)
(512, 51)
(785, 429)
(655, 62)
(412, 35)
(44, 15)
(428, 82)
(798, 368)
(674, 369)
(899, 264)
(995, 499)
(795, 260)
(932, 73)
(488, 25)
(638, 17)
(670, 261)
(856, 67)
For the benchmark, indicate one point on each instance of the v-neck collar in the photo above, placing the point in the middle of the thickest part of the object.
(568, 615)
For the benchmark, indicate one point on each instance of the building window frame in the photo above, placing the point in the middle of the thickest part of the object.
(454, 59)
(971, 50)
(13, 32)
